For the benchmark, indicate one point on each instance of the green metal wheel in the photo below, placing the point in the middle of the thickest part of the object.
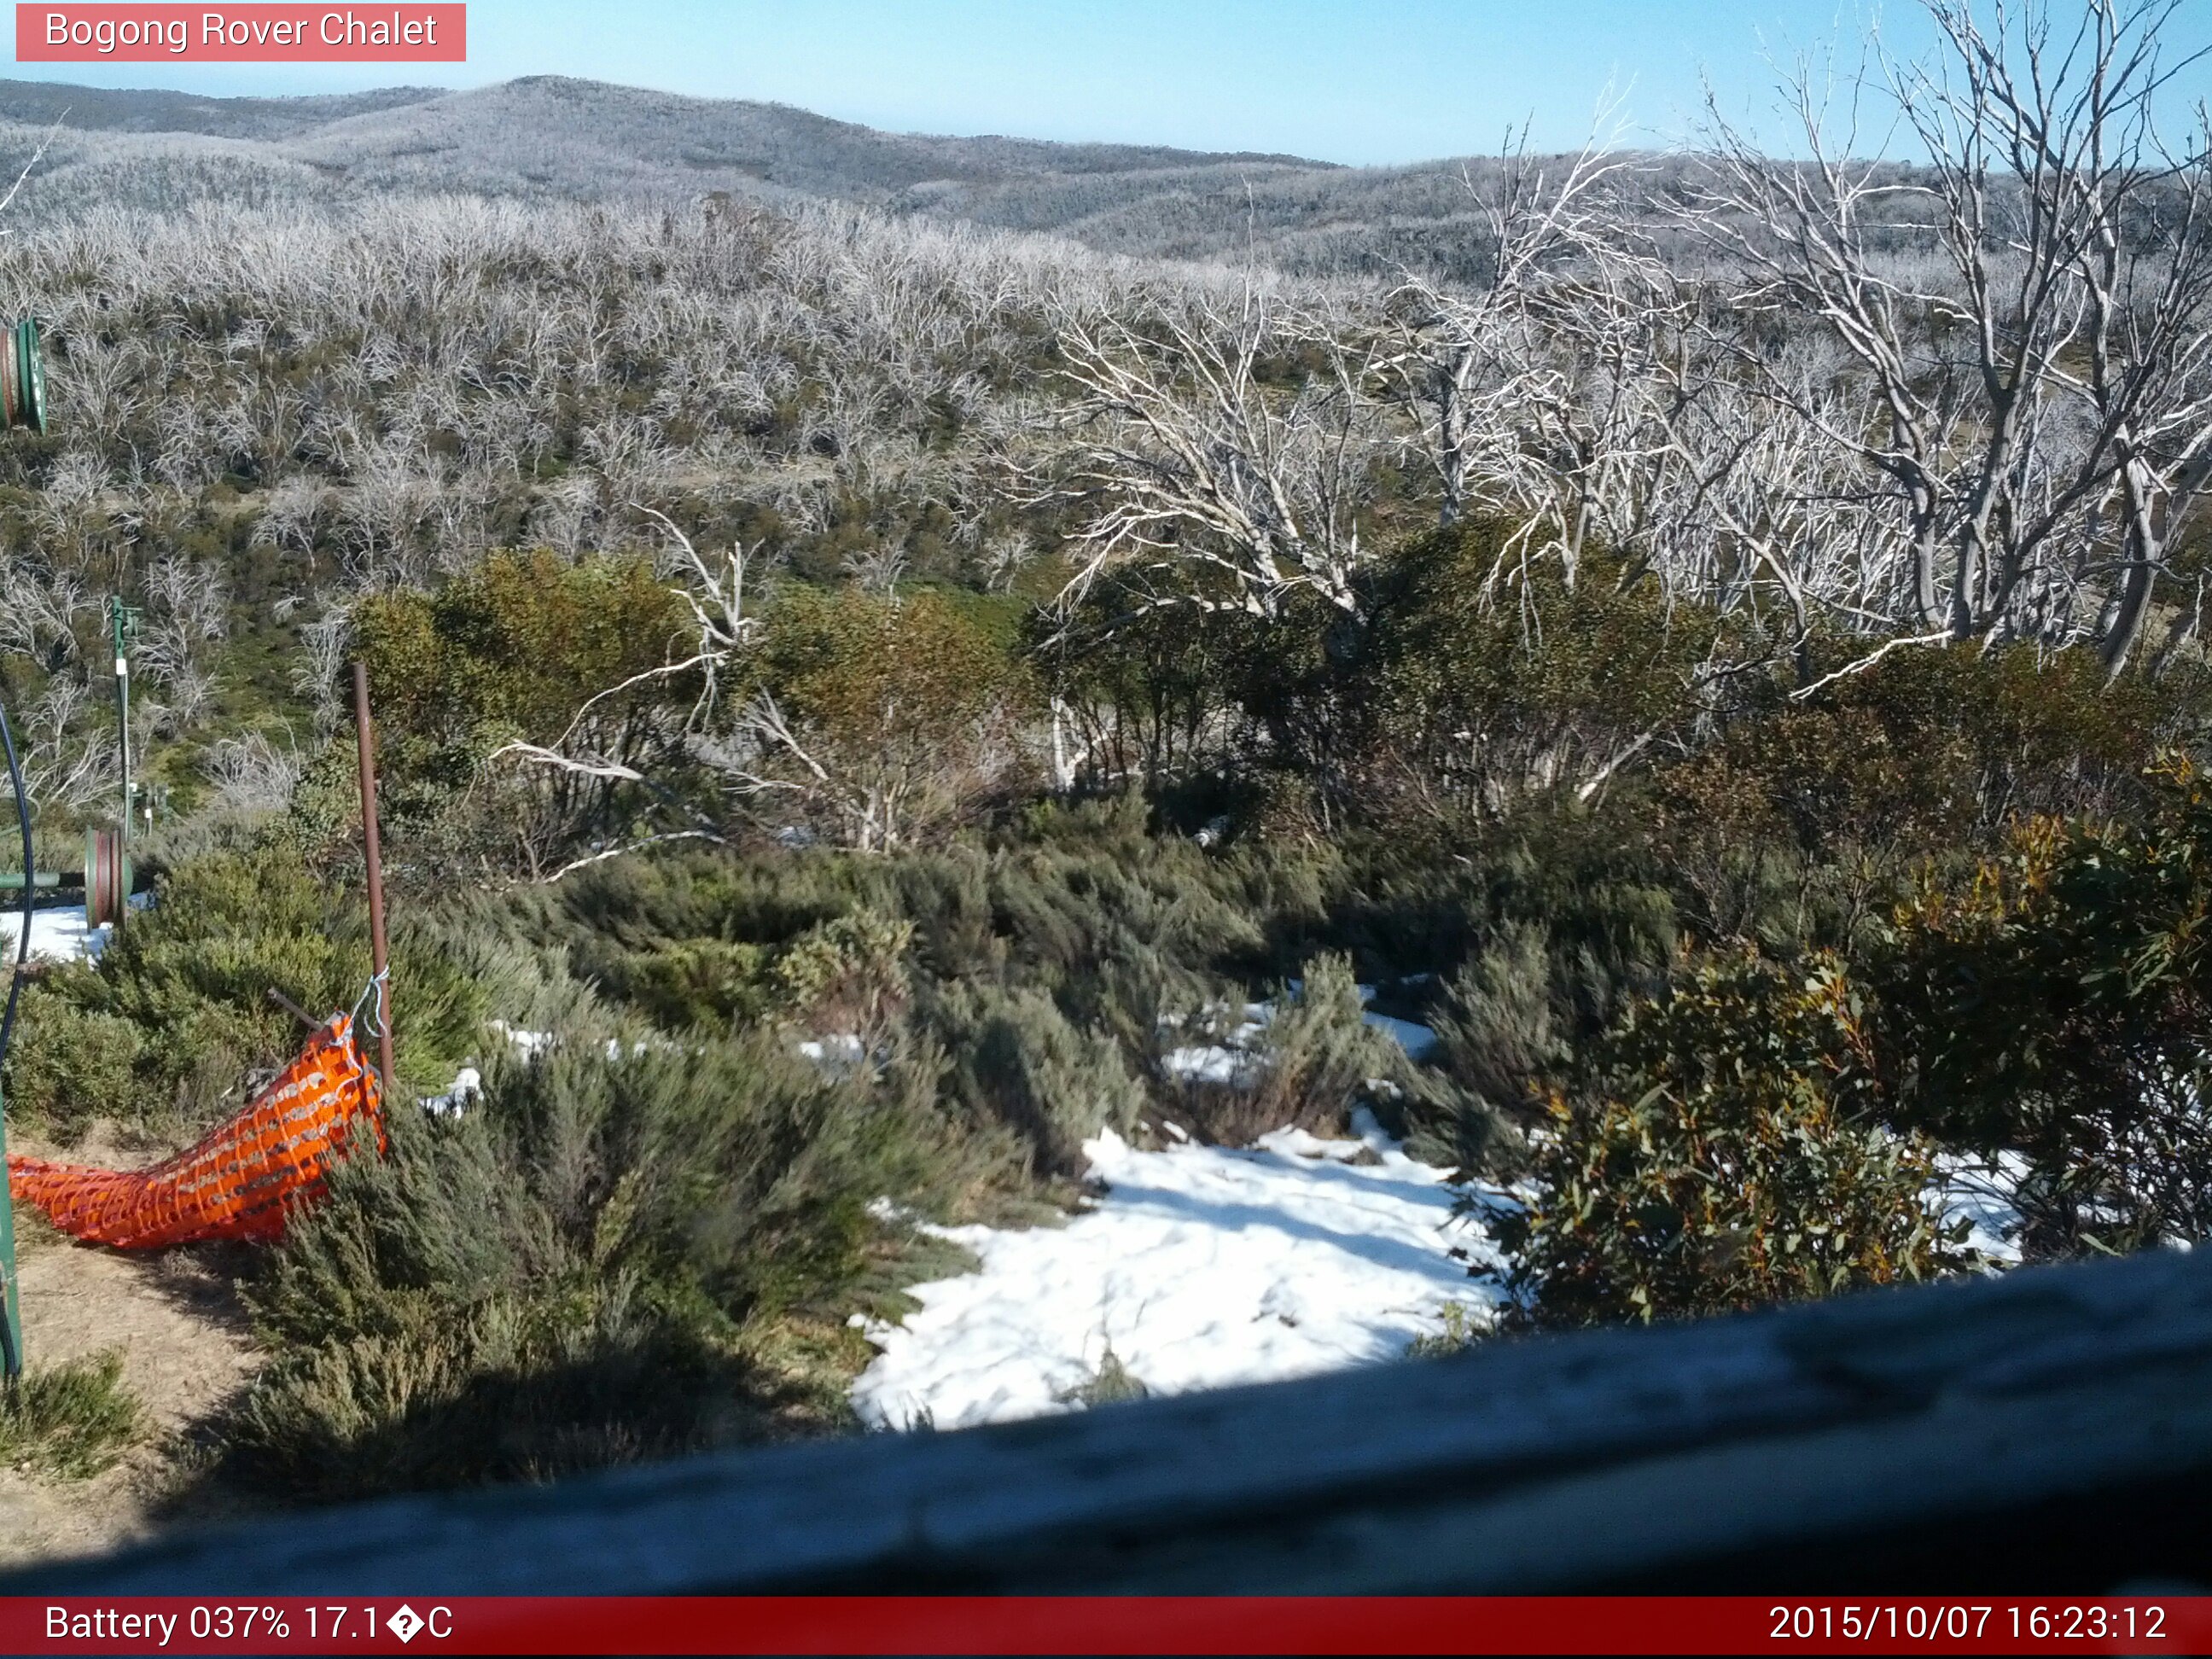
(23, 377)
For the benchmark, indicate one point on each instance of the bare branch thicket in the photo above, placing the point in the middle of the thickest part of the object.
(41, 608)
(326, 645)
(188, 610)
(1491, 372)
(1750, 507)
(876, 568)
(251, 774)
(2029, 308)
(64, 764)
(745, 751)
(1204, 436)
(757, 750)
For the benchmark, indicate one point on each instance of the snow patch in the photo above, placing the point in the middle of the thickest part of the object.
(1983, 1192)
(58, 934)
(467, 1085)
(529, 1044)
(1419, 1041)
(839, 1054)
(1234, 1060)
(1199, 1268)
(1208, 1063)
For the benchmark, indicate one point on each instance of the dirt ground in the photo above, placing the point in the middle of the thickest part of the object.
(186, 1350)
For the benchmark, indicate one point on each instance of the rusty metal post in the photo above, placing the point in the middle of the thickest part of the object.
(365, 732)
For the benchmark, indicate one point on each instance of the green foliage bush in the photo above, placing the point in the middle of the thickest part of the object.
(899, 704)
(1721, 1153)
(1498, 1027)
(1484, 681)
(1113, 923)
(587, 1267)
(518, 643)
(1016, 1060)
(69, 1064)
(1309, 1064)
(518, 650)
(713, 984)
(846, 974)
(169, 1028)
(72, 1421)
(1462, 682)
(1318, 1053)
(1141, 691)
(1815, 809)
(2056, 1001)
(2049, 1000)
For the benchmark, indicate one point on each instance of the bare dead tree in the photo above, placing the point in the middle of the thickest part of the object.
(2029, 306)
(1488, 372)
(251, 774)
(1185, 453)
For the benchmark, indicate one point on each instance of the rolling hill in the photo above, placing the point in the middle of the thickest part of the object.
(549, 135)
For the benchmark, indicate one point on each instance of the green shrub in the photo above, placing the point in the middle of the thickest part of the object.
(173, 1022)
(68, 1064)
(1018, 1060)
(847, 974)
(897, 704)
(2057, 1000)
(518, 649)
(1721, 1155)
(713, 984)
(589, 1266)
(1488, 685)
(1804, 816)
(1318, 1051)
(1114, 925)
(1499, 1028)
(1112, 1384)
(1308, 1066)
(1461, 1329)
(70, 1421)
(504, 1391)
(1141, 688)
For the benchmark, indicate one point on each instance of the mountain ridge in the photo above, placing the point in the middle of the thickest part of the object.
(563, 136)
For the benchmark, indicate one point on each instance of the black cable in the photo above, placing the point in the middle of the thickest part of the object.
(23, 941)
(12, 1360)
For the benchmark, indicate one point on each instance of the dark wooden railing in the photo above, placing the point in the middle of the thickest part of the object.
(2048, 1431)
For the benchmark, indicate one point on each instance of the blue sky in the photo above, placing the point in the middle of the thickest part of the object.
(1376, 81)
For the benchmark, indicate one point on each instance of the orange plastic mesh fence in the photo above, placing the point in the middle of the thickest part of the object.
(239, 1182)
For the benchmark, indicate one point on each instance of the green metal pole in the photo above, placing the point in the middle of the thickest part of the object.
(124, 621)
(22, 403)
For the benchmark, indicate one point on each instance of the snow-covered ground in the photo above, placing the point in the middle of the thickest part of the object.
(1231, 1060)
(1202, 1266)
(1982, 1194)
(468, 1082)
(1235, 1057)
(1199, 1267)
(58, 934)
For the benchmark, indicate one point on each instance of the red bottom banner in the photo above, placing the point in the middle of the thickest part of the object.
(1104, 1624)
